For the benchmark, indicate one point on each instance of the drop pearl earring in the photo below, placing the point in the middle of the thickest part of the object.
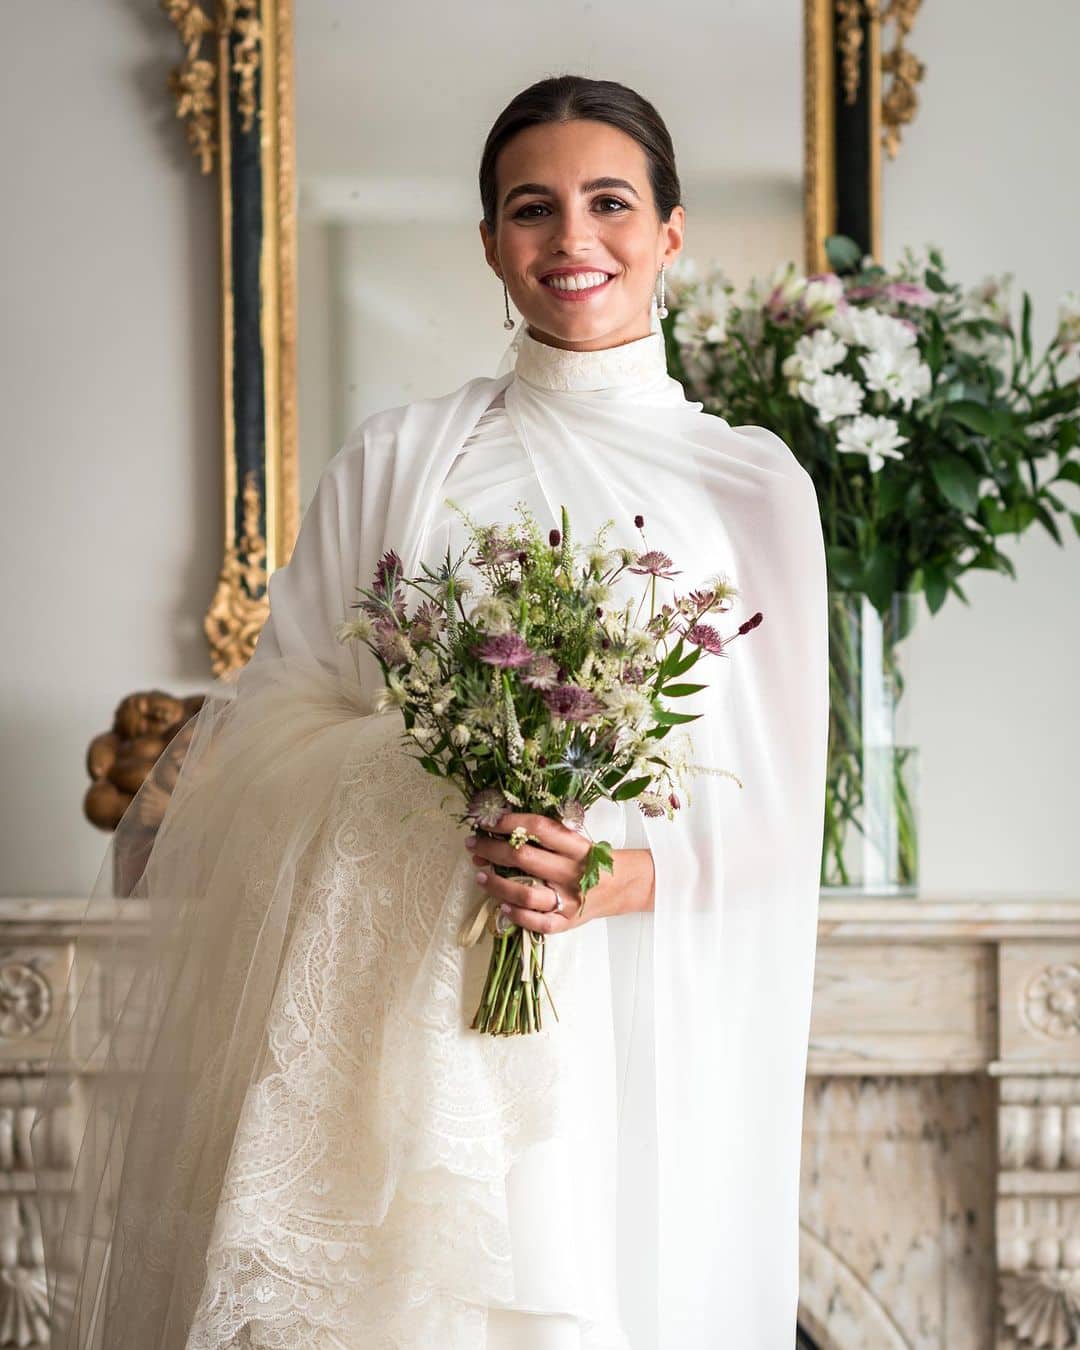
(508, 321)
(661, 308)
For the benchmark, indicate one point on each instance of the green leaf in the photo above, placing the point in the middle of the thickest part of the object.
(1025, 327)
(936, 587)
(682, 690)
(844, 565)
(667, 719)
(957, 481)
(1047, 521)
(975, 416)
(598, 858)
(1069, 471)
(881, 577)
(1006, 519)
(842, 252)
(631, 788)
(1074, 516)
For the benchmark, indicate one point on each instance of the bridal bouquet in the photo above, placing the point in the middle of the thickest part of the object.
(529, 693)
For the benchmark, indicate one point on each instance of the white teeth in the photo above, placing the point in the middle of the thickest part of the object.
(581, 282)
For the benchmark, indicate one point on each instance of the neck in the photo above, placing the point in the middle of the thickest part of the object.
(596, 345)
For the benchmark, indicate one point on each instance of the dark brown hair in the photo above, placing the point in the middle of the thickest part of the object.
(571, 98)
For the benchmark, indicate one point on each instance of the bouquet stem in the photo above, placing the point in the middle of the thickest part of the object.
(510, 1002)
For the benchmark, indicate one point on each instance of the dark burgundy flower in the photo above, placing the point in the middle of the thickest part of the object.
(554, 538)
(507, 650)
(656, 564)
(639, 521)
(704, 635)
(572, 703)
(752, 622)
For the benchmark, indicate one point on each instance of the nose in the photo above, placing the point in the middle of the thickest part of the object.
(573, 229)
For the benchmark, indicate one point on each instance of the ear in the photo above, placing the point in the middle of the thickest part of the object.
(488, 240)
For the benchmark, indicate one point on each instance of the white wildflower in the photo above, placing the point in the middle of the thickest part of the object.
(681, 279)
(874, 437)
(425, 736)
(626, 704)
(361, 627)
(704, 318)
(823, 296)
(393, 694)
(460, 734)
(832, 396)
(814, 354)
(492, 615)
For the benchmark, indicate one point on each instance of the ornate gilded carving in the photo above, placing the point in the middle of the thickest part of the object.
(899, 100)
(25, 999)
(849, 44)
(240, 606)
(194, 81)
(1052, 1001)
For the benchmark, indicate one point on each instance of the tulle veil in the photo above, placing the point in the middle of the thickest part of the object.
(187, 988)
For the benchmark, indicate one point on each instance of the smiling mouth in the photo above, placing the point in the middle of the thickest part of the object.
(576, 292)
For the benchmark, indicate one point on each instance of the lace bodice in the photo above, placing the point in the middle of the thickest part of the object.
(631, 363)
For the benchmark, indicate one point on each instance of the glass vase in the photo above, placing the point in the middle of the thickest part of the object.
(871, 837)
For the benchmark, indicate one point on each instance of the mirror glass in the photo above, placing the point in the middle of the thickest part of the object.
(393, 103)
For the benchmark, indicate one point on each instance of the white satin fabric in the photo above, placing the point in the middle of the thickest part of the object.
(316, 1150)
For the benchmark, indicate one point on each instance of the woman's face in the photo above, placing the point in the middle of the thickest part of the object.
(552, 217)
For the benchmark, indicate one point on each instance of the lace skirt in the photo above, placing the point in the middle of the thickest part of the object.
(397, 1179)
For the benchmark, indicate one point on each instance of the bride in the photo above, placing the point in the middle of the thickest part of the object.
(288, 1135)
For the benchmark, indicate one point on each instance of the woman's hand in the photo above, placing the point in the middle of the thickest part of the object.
(558, 860)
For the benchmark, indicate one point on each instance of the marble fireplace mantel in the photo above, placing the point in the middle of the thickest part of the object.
(941, 1150)
(940, 1202)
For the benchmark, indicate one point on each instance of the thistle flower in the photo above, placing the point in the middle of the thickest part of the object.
(505, 650)
(486, 807)
(650, 804)
(361, 627)
(572, 703)
(705, 636)
(656, 564)
(541, 673)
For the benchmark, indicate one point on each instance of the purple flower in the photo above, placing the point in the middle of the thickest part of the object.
(507, 650)
(385, 585)
(707, 637)
(542, 672)
(486, 807)
(427, 622)
(572, 814)
(655, 563)
(572, 703)
(910, 292)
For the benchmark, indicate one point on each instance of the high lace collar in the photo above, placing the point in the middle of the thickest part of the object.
(634, 363)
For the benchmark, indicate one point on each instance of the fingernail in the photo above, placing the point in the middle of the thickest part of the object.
(481, 877)
(471, 841)
(505, 909)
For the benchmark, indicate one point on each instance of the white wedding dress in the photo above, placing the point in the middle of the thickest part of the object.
(559, 1286)
(313, 1149)
(557, 1192)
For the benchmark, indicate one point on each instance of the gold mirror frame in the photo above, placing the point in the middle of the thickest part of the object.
(234, 92)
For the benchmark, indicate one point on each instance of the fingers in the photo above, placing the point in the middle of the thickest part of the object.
(545, 921)
(552, 834)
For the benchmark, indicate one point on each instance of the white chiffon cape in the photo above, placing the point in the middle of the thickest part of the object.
(298, 1001)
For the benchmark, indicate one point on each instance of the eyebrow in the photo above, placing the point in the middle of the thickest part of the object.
(594, 185)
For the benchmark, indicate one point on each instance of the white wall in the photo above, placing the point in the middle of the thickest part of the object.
(989, 171)
(110, 415)
(110, 425)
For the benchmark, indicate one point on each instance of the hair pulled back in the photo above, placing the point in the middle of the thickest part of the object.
(571, 98)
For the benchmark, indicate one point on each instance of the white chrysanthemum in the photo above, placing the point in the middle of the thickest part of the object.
(492, 615)
(900, 373)
(361, 627)
(832, 396)
(874, 437)
(630, 705)
(814, 354)
(870, 328)
(393, 694)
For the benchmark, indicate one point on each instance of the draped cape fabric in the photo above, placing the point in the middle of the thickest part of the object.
(294, 986)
